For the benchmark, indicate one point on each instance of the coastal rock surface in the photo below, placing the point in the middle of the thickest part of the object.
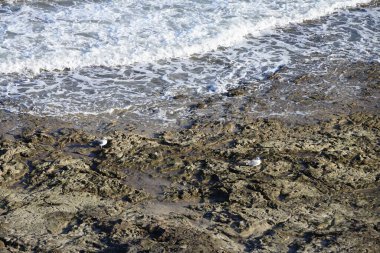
(317, 188)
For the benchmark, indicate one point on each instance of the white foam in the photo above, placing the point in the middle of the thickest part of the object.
(113, 33)
(120, 57)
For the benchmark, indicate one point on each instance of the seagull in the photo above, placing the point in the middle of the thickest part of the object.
(102, 142)
(255, 162)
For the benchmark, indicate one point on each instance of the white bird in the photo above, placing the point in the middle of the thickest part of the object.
(102, 142)
(255, 162)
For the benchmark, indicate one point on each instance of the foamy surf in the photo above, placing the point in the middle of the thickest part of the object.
(49, 36)
(64, 58)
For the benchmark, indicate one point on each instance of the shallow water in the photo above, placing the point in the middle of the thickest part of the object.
(91, 57)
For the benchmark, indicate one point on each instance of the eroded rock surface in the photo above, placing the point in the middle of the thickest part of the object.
(317, 189)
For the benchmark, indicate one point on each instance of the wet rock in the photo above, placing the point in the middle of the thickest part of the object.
(199, 105)
(179, 97)
(236, 92)
(190, 190)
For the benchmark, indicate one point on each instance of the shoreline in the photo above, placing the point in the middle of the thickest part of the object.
(169, 96)
(189, 189)
(293, 96)
(180, 174)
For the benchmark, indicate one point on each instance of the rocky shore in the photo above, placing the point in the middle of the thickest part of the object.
(193, 189)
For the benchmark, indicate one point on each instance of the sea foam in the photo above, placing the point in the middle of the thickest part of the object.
(51, 36)
(91, 57)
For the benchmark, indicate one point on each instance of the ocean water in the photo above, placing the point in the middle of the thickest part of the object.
(65, 58)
